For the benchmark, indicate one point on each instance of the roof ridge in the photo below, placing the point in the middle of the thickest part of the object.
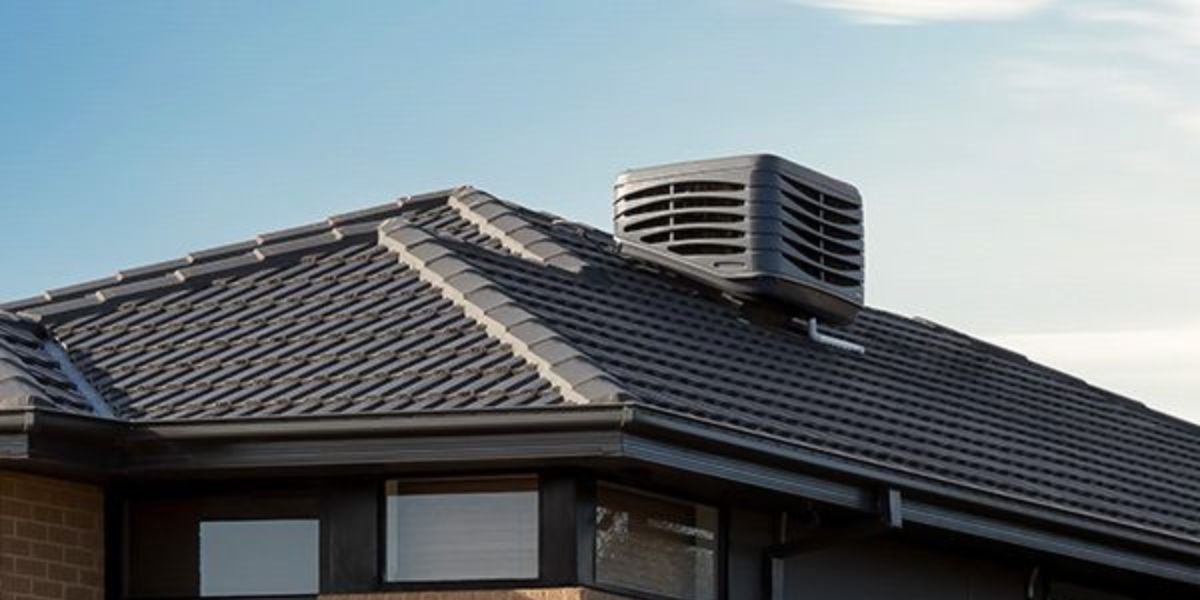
(500, 221)
(210, 263)
(569, 370)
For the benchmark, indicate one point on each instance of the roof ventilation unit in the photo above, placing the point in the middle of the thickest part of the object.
(758, 227)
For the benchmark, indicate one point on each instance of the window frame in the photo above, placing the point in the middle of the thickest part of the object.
(385, 584)
(351, 513)
(316, 519)
(197, 503)
(720, 558)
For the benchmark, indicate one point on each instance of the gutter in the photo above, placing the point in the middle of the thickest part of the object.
(38, 421)
(678, 441)
(725, 437)
(493, 421)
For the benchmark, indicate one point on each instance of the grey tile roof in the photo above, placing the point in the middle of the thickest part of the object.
(30, 377)
(317, 320)
(923, 399)
(462, 301)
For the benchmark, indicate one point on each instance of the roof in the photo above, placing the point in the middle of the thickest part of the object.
(458, 301)
(30, 377)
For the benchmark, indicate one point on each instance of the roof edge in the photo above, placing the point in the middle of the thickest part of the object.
(747, 461)
(770, 448)
(569, 370)
(222, 261)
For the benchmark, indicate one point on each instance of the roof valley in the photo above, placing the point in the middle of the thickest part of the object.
(572, 373)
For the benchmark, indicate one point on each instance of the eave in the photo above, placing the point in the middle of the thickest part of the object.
(587, 435)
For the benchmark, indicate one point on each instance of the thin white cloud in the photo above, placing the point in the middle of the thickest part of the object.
(907, 12)
(1143, 55)
(1117, 81)
(1189, 120)
(1158, 367)
(1042, 76)
(1179, 20)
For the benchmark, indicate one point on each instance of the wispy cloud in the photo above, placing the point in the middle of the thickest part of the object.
(1152, 365)
(1179, 20)
(1141, 56)
(907, 12)
(1189, 120)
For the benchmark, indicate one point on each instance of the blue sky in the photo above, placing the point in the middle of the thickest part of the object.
(1029, 166)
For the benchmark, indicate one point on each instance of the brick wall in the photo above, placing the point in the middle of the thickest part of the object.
(51, 539)
(535, 594)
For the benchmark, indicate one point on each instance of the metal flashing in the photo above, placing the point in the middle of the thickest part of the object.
(89, 393)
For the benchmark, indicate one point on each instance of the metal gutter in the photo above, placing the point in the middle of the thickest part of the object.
(360, 426)
(924, 504)
(941, 517)
(728, 438)
(642, 434)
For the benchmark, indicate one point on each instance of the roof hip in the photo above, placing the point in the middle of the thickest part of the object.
(516, 233)
(570, 371)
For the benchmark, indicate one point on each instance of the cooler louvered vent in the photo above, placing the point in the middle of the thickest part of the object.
(756, 226)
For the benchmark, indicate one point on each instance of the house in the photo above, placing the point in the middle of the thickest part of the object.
(454, 397)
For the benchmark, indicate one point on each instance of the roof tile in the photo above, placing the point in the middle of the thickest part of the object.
(451, 308)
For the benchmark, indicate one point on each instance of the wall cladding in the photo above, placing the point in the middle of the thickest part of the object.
(533, 594)
(51, 539)
(885, 569)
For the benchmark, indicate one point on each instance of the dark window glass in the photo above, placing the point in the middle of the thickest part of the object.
(655, 544)
(259, 557)
(183, 544)
(462, 530)
(1060, 590)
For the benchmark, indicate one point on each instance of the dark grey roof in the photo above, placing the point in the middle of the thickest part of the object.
(316, 320)
(30, 377)
(457, 300)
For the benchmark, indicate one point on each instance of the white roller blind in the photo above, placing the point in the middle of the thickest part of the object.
(259, 557)
(461, 532)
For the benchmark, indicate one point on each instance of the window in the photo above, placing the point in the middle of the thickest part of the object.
(462, 530)
(183, 544)
(1059, 590)
(258, 557)
(655, 544)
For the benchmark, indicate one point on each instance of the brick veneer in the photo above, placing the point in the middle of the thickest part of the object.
(533, 594)
(51, 539)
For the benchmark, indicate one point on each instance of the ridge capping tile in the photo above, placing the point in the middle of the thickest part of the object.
(160, 268)
(81, 289)
(234, 258)
(62, 308)
(517, 234)
(567, 369)
(487, 298)
(298, 244)
(426, 200)
(16, 393)
(220, 252)
(14, 306)
(291, 233)
(132, 290)
(372, 213)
